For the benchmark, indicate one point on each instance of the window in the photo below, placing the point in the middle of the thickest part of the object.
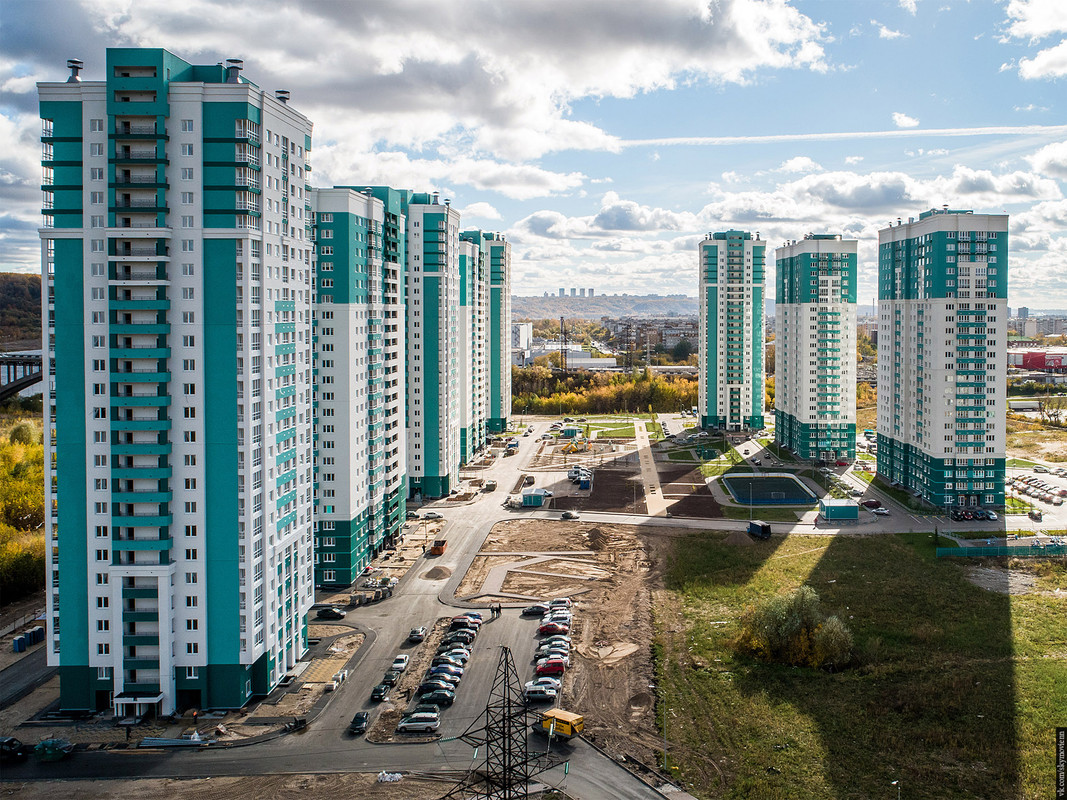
(103, 625)
(187, 149)
(190, 530)
(96, 221)
(96, 149)
(188, 293)
(187, 245)
(192, 624)
(190, 554)
(96, 125)
(96, 173)
(190, 436)
(192, 601)
(102, 555)
(103, 602)
(96, 198)
(187, 198)
(96, 245)
(188, 364)
(187, 125)
(190, 483)
(187, 221)
(192, 648)
(103, 649)
(326, 234)
(190, 508)
(189, 317)
(189, 388)
(187, 173)
(192, 672)
(101, 579)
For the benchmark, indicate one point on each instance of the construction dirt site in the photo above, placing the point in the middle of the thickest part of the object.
(607, 571)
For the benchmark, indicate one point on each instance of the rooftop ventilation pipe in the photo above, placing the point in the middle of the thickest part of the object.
(233, 70)
(282, 95)
(75, 66)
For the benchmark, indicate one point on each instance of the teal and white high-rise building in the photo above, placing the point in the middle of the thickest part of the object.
(732, 270)
(433, 345)
(473, 323)
(176, 265)
(496, 255)
(942, 334)
(360, 453)
(815, 347)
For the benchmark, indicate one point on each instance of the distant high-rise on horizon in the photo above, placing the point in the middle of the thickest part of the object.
(562, 292)
(942, 376)
(590, 291)
(1024, 312)
(815, 347)
(732, 269)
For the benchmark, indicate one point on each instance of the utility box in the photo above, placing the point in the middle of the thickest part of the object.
(438, 547)
(533, 498)
(761, 530)
(838, 509)
(490, 486)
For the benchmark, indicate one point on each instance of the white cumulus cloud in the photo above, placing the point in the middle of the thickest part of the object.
(902, 120)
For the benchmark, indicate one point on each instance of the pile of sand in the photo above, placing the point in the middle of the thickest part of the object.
(437, 573)
(738, 537)
(598, 540)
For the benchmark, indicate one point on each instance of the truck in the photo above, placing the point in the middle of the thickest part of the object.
(761, 530)
(559, 724)
(438, 547)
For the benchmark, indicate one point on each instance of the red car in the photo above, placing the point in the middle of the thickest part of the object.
(553, 666)
(872, 503)
(550, 628)
(842, 463)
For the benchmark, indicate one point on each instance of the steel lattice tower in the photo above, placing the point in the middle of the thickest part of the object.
(508, 766)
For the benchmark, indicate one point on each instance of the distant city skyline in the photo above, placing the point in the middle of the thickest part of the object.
(600, 147)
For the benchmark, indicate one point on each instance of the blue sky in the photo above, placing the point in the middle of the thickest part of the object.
(604, 138)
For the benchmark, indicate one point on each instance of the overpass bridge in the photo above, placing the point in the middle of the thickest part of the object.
(19, 371)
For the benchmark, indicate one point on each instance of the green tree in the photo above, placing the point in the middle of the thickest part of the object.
(682, 350)
(24, 433)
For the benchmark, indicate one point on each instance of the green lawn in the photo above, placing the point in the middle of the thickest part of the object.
(655, 430)
(1019, 463)
(682, 455)
(765, 513)
(907, 500)
(955, 690)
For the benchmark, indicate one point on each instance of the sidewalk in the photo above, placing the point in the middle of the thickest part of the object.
(654, 502)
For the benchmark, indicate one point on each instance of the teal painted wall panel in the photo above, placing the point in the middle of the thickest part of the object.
(220, 451)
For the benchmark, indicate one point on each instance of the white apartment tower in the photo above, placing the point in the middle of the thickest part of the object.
(942, 335)
(176, 264)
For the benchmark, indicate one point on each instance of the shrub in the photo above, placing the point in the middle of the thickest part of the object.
(24, 433)
(792, 629)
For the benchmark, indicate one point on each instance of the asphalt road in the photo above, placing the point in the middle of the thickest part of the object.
(21, 678)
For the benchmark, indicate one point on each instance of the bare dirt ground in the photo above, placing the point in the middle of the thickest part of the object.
(263, 787)
(614, 489)
(612, 633)
(1005, 581)
(685, 486)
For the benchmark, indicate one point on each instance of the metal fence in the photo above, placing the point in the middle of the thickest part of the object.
(992, 552)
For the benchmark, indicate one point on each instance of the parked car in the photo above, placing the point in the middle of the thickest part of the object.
(468, 621)
(12, 750)
(555, 655)
(571, 515)
(872, 503)
(463, 636)
(432, 515)
(881, 512)
(559, 638)
(359, 723)
(330, 613)
(380, 692)
(1036, 515)
(540, 694)
(560, 602)
(391, 678)
(426, 708)
(413, 515)
(446, 669)
(440, 697)
(417, 725)
(552, 628)
(459, 654)
(554, 666)
(535, 610)
(421, 716)
(417, 634)
(551, 683)
(400, 663)
(429, 687)
(446, 661)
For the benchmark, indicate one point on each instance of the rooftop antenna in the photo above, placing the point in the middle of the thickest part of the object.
(75, 66)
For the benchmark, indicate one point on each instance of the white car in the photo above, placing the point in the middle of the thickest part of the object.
(400, 663)
(881, 512)
(418, 725)
(553, 656)
(560, 602)
(548, 683)
(432, 515)
(460, 654)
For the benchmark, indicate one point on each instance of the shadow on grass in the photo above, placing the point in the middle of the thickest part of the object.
(930, 701)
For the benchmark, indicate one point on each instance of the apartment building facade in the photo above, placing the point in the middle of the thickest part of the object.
(942, 308)
(731, 357)
(360, 448)
(176, 261)
(473, 362)
(815, 347)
